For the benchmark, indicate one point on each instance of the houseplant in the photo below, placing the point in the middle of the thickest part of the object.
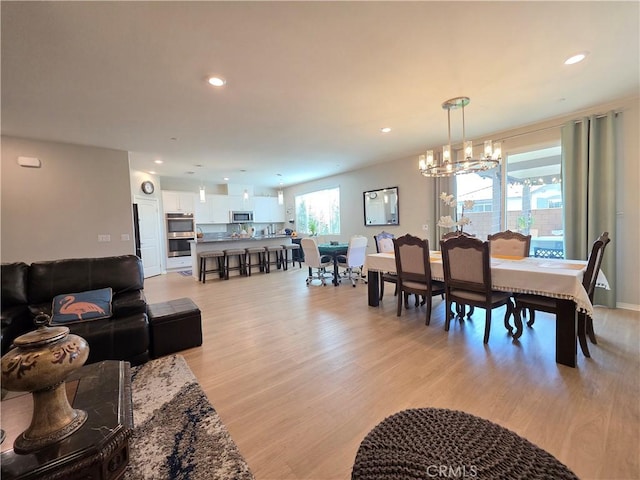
(448, 221)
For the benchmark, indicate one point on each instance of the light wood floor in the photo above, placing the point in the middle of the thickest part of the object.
(300, 375)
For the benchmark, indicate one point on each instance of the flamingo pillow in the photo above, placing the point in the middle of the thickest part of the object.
(83, 306)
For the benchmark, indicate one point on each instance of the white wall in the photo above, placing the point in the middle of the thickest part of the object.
(136, 179)
(59, 210)
(414, 190)
(416, 193)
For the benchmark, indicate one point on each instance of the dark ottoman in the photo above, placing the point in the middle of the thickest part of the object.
(175, 325)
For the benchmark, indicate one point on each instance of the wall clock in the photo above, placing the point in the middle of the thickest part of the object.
(147, 187)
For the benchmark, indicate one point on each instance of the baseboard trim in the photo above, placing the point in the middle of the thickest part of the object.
(628, 306)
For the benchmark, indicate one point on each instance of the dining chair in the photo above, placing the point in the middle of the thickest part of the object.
(467, 278)
(455, 234)
(317, 263)
(549, 305)
(384, 244)
(508, 243)
(353, 261)
(413, 269)
(460, 308)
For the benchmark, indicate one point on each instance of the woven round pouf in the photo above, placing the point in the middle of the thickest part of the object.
(428, 443)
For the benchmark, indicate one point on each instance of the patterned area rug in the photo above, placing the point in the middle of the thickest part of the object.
(178, 434)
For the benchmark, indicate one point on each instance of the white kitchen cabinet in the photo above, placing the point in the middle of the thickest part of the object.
(278, 212)
(214, 210)
(238, 203)
(235, 190)
(267, 210)
(179, 262)
(178, 202)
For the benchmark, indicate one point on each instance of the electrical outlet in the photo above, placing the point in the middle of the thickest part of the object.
(125, 237)
(104, 238)
(425, 227)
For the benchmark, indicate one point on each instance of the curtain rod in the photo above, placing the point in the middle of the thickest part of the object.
(597, 115)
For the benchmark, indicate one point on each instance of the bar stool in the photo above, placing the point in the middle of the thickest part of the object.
(260, 252)
(268, 260)
(219, 256)
(294, 248)
(242, 261)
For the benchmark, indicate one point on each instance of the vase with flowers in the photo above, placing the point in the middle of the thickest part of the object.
(448, 221)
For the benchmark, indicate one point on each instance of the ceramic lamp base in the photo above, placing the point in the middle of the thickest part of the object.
(53, 419)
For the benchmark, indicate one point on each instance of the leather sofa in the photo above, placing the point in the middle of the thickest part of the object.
(30, 289)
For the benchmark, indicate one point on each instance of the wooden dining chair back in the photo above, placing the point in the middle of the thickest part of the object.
(508, 243)
(317, 263)
(594, 263)
(467, 277)
(455, 234)
(549, 305)
(414, 272)
(591, 277)
(384, 244)
(353, 261)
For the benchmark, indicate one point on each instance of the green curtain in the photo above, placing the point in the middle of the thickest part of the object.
(589, 196)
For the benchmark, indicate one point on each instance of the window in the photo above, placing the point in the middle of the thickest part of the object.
(531, 202)
(534, 194)
(318, 213)
(484, 189)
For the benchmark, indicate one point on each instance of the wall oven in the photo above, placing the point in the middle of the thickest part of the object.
(178, 247)
(180, 229)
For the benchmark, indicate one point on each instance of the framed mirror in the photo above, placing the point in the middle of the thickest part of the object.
(381, 207)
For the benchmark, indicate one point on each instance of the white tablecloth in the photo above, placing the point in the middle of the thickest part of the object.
(551, 278)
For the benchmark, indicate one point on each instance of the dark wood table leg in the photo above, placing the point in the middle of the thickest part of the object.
(373, 287)
(566, 338)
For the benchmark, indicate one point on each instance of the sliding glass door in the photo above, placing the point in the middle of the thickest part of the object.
(523, 194)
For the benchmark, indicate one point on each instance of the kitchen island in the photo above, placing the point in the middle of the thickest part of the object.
(211, 243)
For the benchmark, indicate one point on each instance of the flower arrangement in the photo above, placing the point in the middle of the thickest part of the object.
(448, 222)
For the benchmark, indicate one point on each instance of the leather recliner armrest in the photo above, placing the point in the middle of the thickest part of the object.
(128, 303)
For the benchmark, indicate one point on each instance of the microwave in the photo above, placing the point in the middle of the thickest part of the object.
(240, 217)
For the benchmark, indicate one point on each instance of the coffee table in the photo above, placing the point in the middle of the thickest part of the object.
(98, 450)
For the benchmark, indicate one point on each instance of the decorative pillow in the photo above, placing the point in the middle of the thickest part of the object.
(82, 306)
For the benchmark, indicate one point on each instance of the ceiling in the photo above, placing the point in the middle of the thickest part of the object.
(309, 84)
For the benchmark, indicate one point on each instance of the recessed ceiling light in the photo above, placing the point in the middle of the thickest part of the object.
(217, 81)
(157, 161)
(226, 179)
(152, 172)
(385, 129)
(575, 58)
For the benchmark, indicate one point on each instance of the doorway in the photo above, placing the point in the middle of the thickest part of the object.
(149, 235)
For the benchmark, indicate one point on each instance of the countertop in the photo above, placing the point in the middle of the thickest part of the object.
(233, 239)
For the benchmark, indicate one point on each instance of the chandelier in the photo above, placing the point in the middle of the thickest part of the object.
(445, 166)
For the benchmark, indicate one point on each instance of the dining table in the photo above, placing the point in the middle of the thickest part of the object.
(556, 278)
(333, 250)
